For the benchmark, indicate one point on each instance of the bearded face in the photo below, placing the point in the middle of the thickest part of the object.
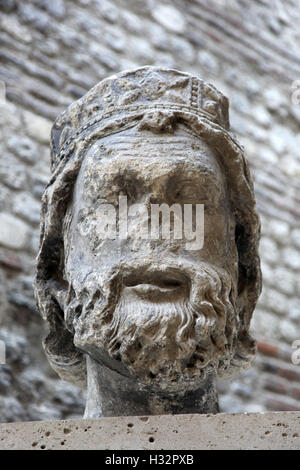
(167, 327)
(151, 308)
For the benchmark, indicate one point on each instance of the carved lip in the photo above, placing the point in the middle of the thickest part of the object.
(156, 283)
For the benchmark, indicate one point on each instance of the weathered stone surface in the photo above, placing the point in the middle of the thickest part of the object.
(23, 390)
(208, 61)
(283, 280)
(8, 5)
(169, 17)
(132, 22)
(241, 43)
(38, 19)
(13, 232)
(55, 7)
(270, 247)
(12, 174)
(150, 320)
(251, 431)
(24, 148)
(11, 25)
(291, 257)
(294, 309)
(25, 206)
(10, 259)
(181, 47)
(37, 127)
(287, 330)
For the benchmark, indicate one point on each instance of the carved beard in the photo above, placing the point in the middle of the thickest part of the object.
(167, 344)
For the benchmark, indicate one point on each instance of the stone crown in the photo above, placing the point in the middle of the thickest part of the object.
(145, 88)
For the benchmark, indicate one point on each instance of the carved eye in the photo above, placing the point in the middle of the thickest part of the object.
(129, 185)
(187, 192)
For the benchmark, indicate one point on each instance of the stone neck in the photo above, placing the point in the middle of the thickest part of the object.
(111, 394)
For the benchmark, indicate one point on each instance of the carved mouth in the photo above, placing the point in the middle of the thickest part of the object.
(157, 285)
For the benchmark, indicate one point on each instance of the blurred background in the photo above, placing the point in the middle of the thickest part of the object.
(51, 53)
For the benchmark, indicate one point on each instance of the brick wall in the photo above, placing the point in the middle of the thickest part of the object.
(50, 54)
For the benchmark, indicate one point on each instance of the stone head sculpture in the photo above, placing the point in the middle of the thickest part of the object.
(148, 321)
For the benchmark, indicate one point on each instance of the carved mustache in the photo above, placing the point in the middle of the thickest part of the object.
(168, 275)
(197, 283)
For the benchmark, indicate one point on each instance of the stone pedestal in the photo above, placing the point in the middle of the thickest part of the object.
(278, 430)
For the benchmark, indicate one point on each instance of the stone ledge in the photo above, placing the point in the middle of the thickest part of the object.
(275, 430)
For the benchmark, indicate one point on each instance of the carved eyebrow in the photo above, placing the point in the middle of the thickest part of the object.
(121, 151)
(150, 140)
(207, 175)
(121, 144)
(119, 147)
